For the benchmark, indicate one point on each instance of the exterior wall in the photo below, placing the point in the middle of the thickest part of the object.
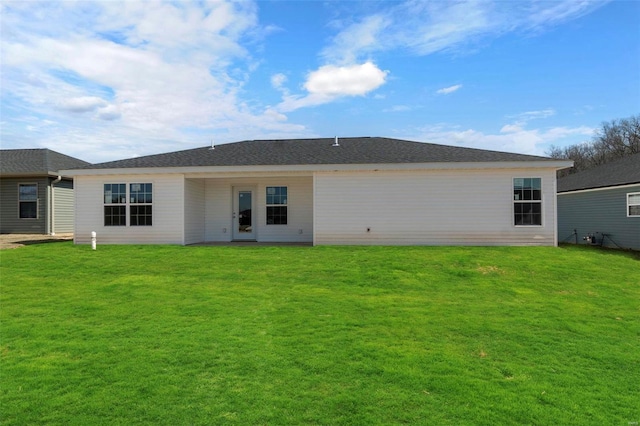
(194, 213)
(439, 207)
(168, 211)
(10, 223)
(219, 208)
(63, 207)
(598, 212)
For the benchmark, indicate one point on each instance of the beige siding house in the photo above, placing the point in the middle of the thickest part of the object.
(321, 191)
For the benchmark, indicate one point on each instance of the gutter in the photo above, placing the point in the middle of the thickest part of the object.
(53, 205)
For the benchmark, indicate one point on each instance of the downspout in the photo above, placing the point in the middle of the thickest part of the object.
(53, 205)
(555, 210)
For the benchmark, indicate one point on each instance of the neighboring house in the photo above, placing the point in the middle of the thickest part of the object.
(321, 191)
(603, 202)
(34, 197)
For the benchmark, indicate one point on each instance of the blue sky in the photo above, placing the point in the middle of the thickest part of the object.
(111, 80)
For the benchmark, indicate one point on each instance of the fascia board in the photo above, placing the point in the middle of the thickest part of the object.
(556, 165)
(602, 188)
(38, 175)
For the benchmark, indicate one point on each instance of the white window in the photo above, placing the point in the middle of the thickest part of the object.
(527, 201)
(140, 199)
(633, 204)
(28, 200)
(277, 205)
(115, 204)
(140, 211)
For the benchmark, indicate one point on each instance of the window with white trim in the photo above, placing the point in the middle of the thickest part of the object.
(140, 210)
(115, 204)
(527, 201)
(138, 200)
(277, 205)
(28, 200)
(633, 204)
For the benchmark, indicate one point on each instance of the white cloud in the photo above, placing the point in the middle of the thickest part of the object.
(522, 119)
(146, 75)
(511, 128)
(277, 80)
(447, 90)
(531, 115)
(423, 28)
(428, 27)
(331, 82)
(397, 108)
(359, 37)
(352, 80)
(110, 112)
(82, 103)
(510, 138)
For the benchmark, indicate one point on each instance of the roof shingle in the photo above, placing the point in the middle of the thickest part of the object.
(41, 161)
(361, 150)
(621, 172)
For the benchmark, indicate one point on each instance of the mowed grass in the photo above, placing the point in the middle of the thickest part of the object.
(324, 335)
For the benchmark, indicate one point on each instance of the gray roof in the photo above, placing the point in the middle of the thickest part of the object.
(362, 150)
(621, 172)
(22, 162)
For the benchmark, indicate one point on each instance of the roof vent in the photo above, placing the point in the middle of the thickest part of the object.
(213, 146)
(335, 142)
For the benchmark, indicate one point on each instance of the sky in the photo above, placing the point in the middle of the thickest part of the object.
(108, 80)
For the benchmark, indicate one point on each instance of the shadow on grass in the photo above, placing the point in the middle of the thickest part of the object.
(630, 253)
(44, 241)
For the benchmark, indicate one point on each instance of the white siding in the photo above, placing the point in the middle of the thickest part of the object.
(218, 208)
(445, 207)
(218, 221)
(193, 211)
(168, 211)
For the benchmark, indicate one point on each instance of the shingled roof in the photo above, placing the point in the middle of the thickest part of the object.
(621, 172)
(361, 150)
(36, 162)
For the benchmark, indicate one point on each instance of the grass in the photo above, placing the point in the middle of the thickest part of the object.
(326, 335)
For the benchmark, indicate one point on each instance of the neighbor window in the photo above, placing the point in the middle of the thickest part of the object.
(276, 205)
(115, 208)
(527, 201)
(633, 204)
(28, 200)
(140, 195)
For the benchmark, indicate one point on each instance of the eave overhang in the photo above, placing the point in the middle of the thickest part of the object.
(35, 175)
(311, 168)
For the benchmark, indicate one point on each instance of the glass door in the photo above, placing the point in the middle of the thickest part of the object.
(243, 220)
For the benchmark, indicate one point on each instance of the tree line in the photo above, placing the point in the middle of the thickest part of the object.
(615, 139)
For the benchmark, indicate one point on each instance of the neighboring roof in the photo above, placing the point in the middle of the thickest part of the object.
(362, 150)
(620, 172)
(36, 162)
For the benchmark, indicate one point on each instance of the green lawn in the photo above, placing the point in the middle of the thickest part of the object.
(325, 335)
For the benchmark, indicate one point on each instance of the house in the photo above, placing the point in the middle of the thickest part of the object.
(34, 197)
(322, 191)
(602, 205)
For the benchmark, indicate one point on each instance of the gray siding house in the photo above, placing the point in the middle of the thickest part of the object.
(602, 205)
(34, 197)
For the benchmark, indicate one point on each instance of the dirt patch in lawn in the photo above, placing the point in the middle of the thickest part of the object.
(11, 241)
